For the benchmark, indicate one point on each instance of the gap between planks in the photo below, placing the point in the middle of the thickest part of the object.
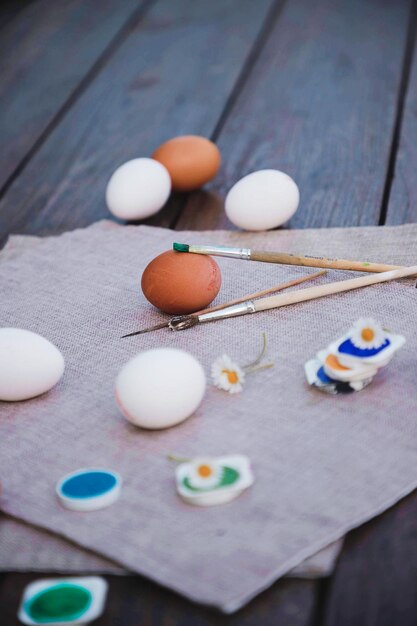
(117, 40)
(247, 67)
(402, 93)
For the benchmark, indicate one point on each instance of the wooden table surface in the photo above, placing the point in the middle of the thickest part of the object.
(325, 90)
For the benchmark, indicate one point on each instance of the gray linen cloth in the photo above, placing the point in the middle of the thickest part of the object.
(24, 547)
(323, 464)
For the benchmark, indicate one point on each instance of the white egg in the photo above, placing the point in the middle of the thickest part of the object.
(137, 189)
(160, 388)
(262, 200)
(29, 364)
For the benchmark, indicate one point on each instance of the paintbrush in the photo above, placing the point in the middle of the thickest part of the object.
(285, 258)
(251, 296)
(181, 322)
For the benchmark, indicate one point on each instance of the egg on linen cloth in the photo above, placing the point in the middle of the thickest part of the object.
(262, 200)
(29, 364)
(180, 283)
(160, 388)
(137, 189)
(191, 161)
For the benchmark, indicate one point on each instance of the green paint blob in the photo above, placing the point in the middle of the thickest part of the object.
(229, 477)
(181, 247)
(365, 264)
(60, 603)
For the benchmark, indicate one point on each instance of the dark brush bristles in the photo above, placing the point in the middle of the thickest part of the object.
(181, 247)
(146, 330)
(178, 322)
(182, 322)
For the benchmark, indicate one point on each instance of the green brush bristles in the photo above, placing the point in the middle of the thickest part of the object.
(181, 247)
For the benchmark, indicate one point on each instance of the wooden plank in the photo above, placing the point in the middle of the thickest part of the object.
(45, 51)
(172, 75)
(134, 601)
(9, 9)
(402, 206)
(376, 578)
(319, 104)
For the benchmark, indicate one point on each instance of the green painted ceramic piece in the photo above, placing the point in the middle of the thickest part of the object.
(229, 477)
(60, 603)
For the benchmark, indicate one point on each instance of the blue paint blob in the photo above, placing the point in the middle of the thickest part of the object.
(322, 376)
(347, 347)
(89, 484)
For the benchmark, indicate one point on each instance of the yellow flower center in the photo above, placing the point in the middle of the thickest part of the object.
(367, 334)
(232, 377)
(204, 471)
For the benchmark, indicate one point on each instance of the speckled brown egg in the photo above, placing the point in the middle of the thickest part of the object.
(190, 160)
(180, 283)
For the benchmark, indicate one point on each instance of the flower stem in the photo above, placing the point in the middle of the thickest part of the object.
(257, 368)
(177, 459)
(261, 355)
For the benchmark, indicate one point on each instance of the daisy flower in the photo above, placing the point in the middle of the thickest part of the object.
(205, 473)
(227, 374)
(367, 334)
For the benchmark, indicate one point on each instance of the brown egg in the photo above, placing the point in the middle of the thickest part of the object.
(180, 282)
(190, 160)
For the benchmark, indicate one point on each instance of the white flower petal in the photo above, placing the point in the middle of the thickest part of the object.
(198, 480)
(376, 338)
(221, 370)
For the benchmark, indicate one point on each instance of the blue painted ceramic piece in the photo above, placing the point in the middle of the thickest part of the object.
(89, 484)
(347, 347)
(89, 489)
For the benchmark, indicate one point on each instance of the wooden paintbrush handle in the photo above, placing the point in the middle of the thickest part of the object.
(312, 261)
(325, 290)
(259, 294)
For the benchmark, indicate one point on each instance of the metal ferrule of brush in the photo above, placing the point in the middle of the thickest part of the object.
(230, 311)
(236, 253)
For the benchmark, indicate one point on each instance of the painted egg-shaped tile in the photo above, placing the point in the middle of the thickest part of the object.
(212, 481)
(63, 601)
(89, 489)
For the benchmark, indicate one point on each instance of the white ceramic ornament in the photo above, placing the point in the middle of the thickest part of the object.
(317, 377)
(335, 370)
(351, 362)
(160, 388)
(262, 200)
(208, 482)
(29, 364)
(378, 356)
(89, 489)
(137, 189)
(63, 601)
